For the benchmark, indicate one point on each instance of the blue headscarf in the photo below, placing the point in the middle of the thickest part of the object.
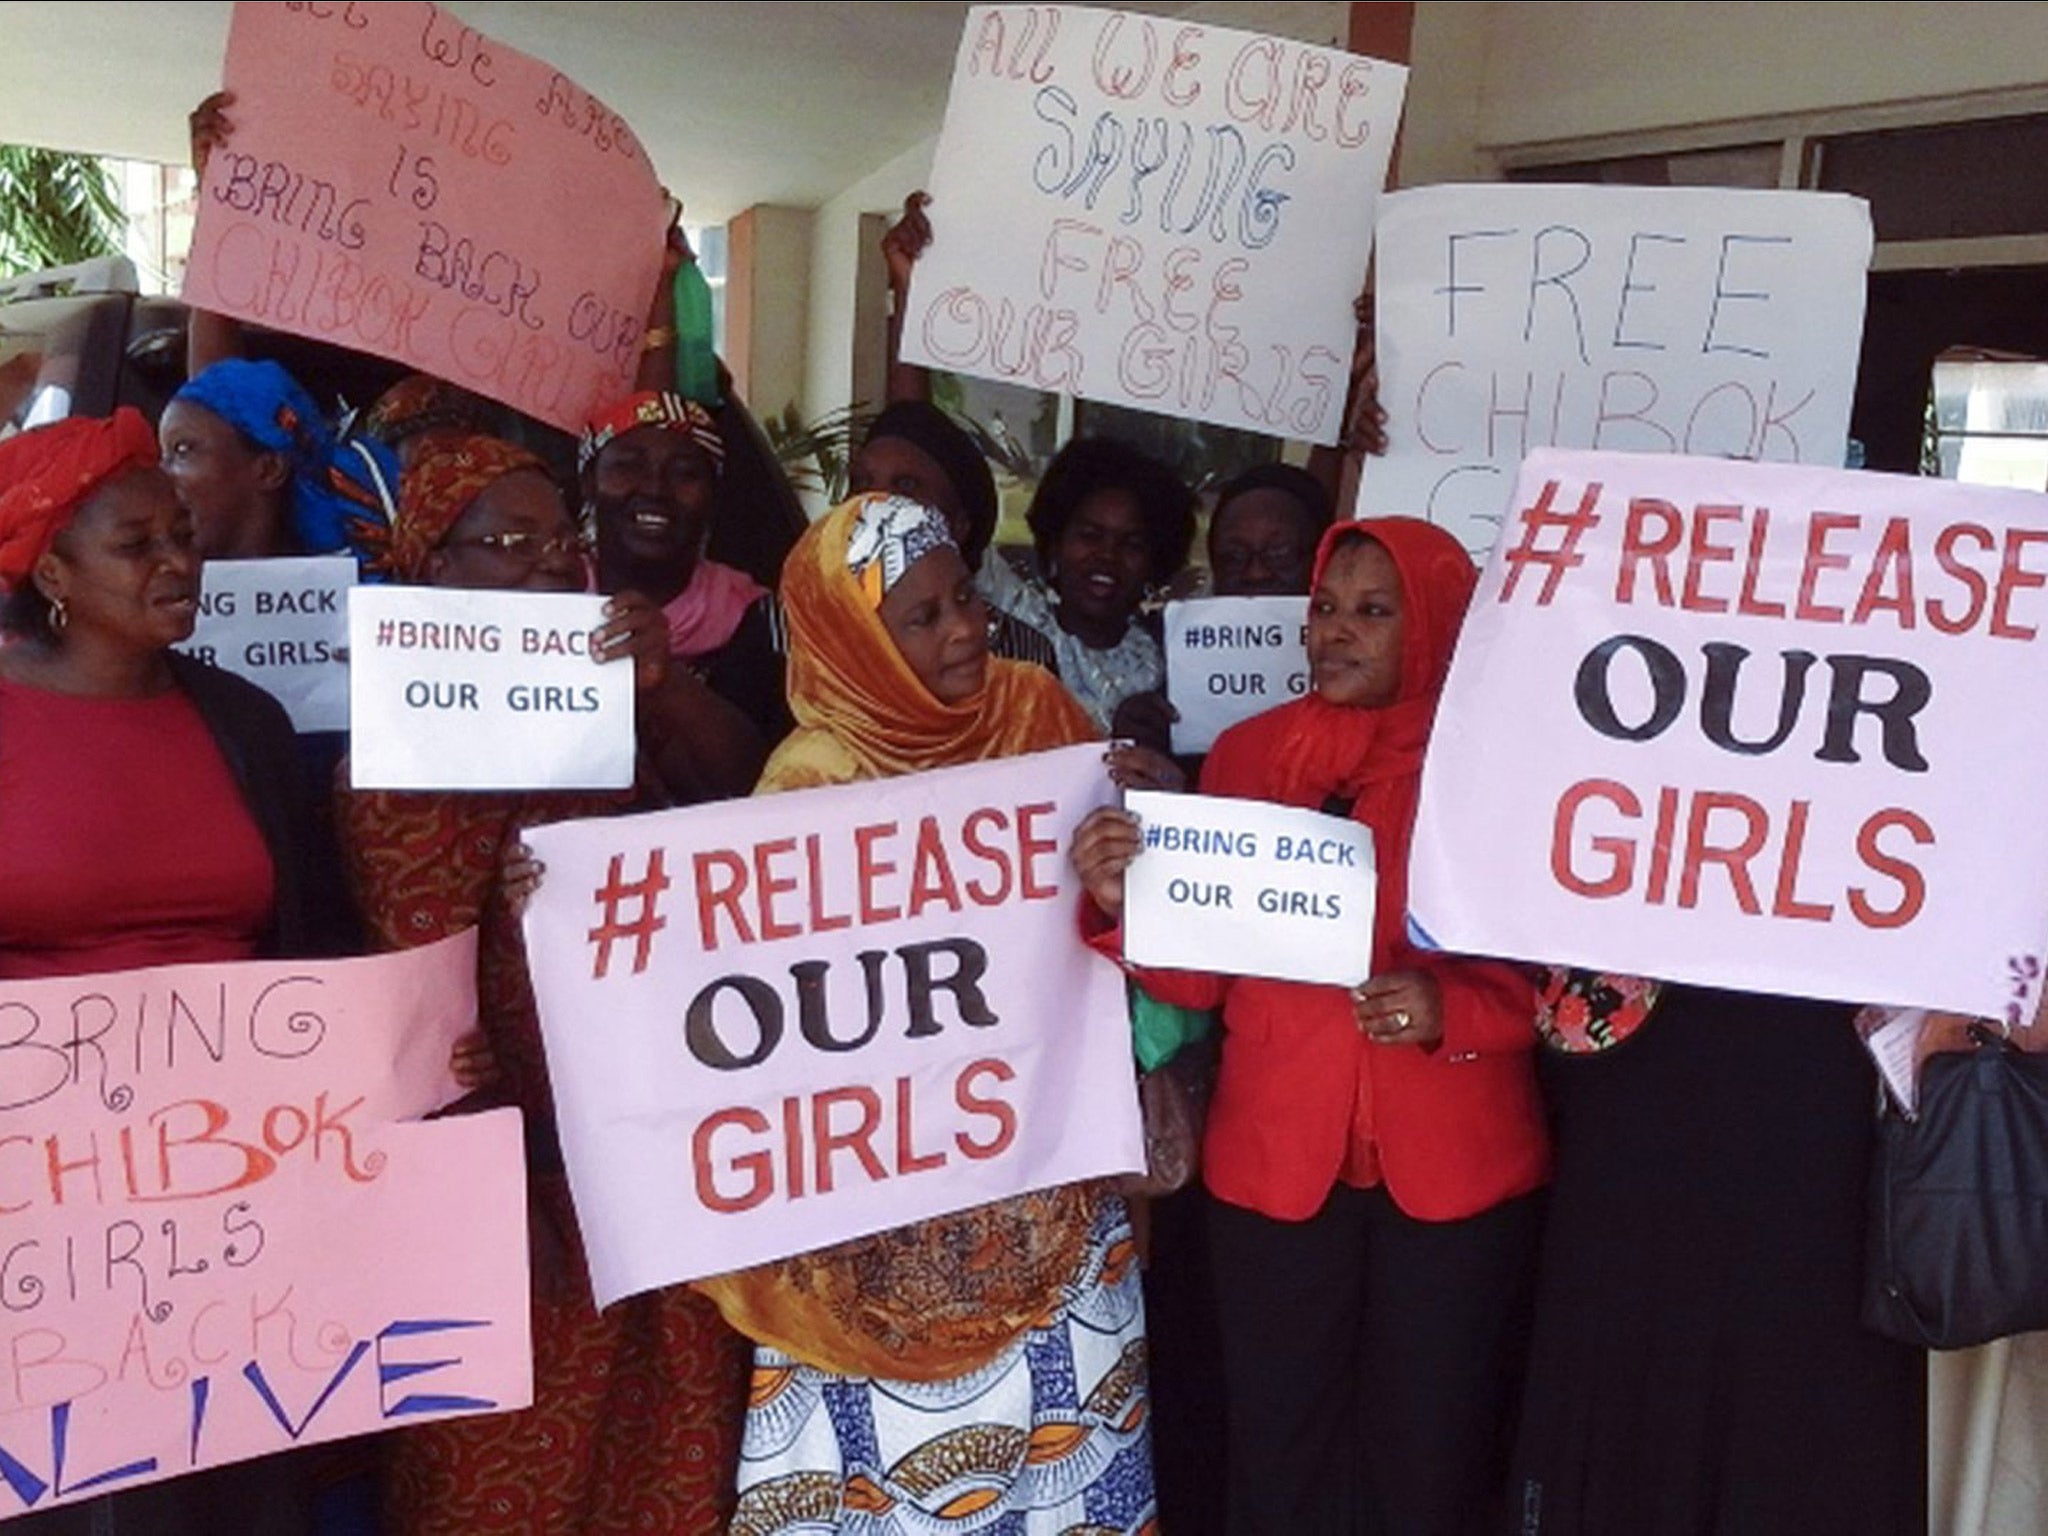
(342, 489)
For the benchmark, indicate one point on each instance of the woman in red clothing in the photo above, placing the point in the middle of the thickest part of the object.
(1373, 1155)
(148, 813)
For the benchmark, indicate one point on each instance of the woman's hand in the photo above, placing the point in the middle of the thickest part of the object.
(1399, 1008)
(1134, 767)
(635, 628)
(1104, 845)
(519, 876)
(1147, 719)
(906, 241)
(210, 126)
(473, 1062)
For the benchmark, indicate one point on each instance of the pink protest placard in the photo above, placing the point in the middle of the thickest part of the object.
(1154, 213)
(401, 184)
(1758, 726)
(781, 1023)
(210, 1176)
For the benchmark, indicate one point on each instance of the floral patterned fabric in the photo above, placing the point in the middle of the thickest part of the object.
(1579, 1012)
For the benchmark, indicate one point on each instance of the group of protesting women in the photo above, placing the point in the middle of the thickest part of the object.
(1375, 1319)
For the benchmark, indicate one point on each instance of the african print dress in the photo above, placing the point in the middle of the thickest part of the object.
(1052, 1436)
(636, 1413)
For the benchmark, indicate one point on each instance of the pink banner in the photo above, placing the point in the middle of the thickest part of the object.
(785, 1022)
(227, 1233)
(400, 184)
(1755, 726)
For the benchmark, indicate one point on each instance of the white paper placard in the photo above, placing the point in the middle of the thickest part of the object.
(282, 624)
(1756, 726)
(1229, 658)
(1249, 888)
(1154, 213)
(455, 689)
(1694, 320)
(784, 1022)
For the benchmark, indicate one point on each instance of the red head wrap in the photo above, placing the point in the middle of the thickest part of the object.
(46, 475)
(448, 474)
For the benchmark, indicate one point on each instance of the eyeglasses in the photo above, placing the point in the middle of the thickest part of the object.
(519, 545)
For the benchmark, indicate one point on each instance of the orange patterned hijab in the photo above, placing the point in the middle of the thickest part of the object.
(861, 712)
(935, 1299)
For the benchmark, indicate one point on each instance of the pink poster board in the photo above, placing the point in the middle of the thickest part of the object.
(227, 1233)
(401, 184)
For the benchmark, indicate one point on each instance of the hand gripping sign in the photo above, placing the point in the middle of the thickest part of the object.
(1748, 725)
(781, 1023)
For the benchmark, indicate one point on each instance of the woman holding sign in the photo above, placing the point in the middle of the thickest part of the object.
(1373, 1153)
(150, 811)
(987, 1364)
(636, 1409)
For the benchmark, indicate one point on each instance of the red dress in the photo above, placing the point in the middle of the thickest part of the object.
(637, 1410)
(124, 839)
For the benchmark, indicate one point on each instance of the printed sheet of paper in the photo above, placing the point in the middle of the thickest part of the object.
(1249, 888)
(282, 624)
(458, 689)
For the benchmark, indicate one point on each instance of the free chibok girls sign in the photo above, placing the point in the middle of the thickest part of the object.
(777, 1024)
(1747, 725)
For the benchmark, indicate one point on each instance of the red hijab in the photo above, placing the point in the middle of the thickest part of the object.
(1373, 757)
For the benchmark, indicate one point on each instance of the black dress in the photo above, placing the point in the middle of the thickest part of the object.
(1698, 1368)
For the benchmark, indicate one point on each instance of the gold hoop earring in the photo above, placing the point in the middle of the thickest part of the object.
(59, 615)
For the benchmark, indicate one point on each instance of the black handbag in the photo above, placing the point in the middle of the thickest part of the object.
(1958, 1242)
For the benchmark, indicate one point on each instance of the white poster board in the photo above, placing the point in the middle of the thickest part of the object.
(453, 689)
(282, 624)
(1154, 213)
(1713, 322)
(1229, 658)
(1753, 726)
(780, 1023)
(1249, 888)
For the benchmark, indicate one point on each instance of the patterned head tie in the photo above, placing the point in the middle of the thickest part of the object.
(651, 408)
(890, 535)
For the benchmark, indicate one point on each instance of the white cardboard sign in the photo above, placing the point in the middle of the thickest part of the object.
(1756, 726)
(780, 1023)
(282, 624)
(1229, 658)
(1249, 888)
(1692, 320)
(1154, 213)
(454, 689)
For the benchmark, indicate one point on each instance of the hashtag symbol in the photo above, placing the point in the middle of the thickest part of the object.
(1151, 834)
(1559, 557)
(385, 630)
(615, 893)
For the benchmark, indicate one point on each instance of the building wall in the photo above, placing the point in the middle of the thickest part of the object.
(1502, 75)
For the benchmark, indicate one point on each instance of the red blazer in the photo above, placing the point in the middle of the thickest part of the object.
(1303, 1093)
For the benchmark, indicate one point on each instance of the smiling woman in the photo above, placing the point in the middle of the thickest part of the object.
(1108, 523)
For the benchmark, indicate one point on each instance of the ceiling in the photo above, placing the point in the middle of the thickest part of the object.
(737, 104)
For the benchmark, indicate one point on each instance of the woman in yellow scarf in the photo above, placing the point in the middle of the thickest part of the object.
(990, 1362)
